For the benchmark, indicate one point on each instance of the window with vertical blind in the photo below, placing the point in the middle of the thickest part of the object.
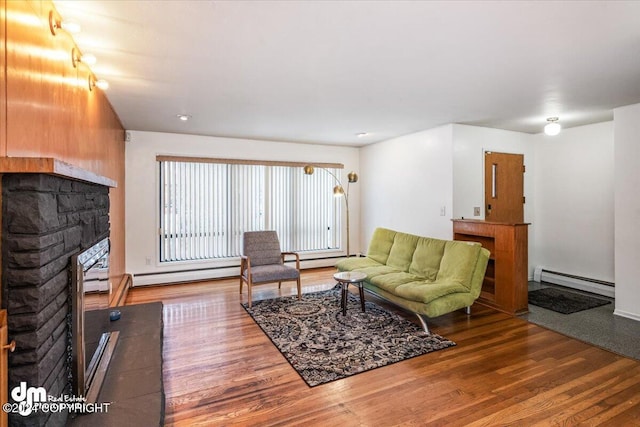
(207, 204)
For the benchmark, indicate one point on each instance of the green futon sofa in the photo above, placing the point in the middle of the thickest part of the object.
(426, 276)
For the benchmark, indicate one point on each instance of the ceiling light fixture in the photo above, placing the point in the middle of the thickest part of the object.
(183, 117)
(553, 127)
(56, 23)
(100, 84)
(362, 134)
(77, 57)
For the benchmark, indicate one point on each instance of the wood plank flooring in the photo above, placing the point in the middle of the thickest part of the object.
(221, 370)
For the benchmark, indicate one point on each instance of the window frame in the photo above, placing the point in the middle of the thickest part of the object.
(337, 206)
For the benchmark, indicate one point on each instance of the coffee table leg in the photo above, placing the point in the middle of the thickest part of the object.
(361, 286)
(343, 303)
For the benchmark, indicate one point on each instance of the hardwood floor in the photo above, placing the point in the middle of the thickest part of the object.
(220, 369)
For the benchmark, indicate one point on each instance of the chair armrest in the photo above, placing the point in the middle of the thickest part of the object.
(245, 263)
(295, 255)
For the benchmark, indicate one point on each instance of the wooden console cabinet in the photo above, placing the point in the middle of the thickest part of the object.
(505, 284)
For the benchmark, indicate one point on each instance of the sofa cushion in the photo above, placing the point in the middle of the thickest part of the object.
(402, 251)
(272, 273)
(372, 272)
(390, 281)
(437, 307)
(352, 263)
(458, 262)
(425, 292)
(380, 245)
(426, 258)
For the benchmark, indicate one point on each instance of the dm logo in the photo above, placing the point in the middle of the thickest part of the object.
(27, 397)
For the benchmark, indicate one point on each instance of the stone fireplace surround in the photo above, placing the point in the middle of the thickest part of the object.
(45, 220)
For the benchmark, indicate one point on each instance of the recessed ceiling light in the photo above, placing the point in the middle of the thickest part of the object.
(362, 134)
(183, 117)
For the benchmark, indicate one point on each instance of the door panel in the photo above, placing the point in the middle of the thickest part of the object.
(504, 187)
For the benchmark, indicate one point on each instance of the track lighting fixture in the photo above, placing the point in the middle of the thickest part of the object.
(77, 57)
(100, 84)
(56, 23)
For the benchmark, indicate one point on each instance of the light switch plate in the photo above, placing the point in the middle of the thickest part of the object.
(476, 211)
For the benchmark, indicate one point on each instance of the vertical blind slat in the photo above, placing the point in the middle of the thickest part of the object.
(206, 207)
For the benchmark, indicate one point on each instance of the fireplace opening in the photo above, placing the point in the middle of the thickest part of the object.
(92, 343)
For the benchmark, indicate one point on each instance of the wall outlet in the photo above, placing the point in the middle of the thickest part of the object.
(148, 260)
(476, 211)
(443, 211)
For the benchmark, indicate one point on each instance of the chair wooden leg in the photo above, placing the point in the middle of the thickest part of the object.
(249, 292)
(299, 289)
(279, 285)
(241, 285)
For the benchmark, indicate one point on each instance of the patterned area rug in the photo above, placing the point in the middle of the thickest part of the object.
(322, 345)
(564, 302)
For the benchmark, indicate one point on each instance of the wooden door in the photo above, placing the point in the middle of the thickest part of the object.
(504, 187)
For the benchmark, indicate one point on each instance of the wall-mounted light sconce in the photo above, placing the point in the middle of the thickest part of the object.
(56, 23)
(100, 84)
(77, 57)
(338, 191)
(553, 127)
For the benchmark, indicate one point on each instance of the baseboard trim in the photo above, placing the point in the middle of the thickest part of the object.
(197, 275)
(571, 281)
(626, 314)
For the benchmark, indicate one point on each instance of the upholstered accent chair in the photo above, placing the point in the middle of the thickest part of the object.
(262, 261)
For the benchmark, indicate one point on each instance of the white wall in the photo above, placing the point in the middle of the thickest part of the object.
(411, 178)
(627, 210)
(406, 182)
(469, 145)
(142, 193)
(574, 203)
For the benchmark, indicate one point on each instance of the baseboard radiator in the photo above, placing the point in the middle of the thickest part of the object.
(600, 287)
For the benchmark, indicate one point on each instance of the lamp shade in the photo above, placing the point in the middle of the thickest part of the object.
(338, 191)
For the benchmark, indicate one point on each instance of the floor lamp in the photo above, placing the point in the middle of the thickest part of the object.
(338, 191)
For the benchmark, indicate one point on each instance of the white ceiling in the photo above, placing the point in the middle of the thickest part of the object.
(323, 71)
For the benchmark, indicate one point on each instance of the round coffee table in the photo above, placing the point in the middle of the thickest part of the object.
(346, 278)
